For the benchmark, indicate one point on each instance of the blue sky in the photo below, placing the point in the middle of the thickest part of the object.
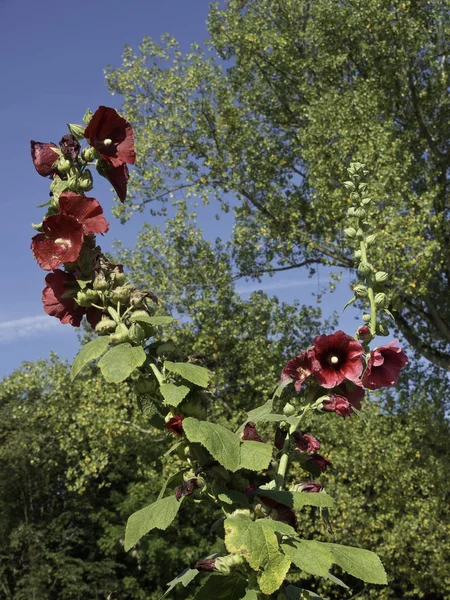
(52, 57)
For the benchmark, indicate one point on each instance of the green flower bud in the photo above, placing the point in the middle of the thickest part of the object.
(288, 410)
(362, 187)
(370, 239)
(105, 325)
(351, 211)
(366, 201)
(224, 564)
(72, 183)
(137, 334)
(89, 154)
(358, 253)
(138, 313)
(360, 233)
(76, 130)
(360, 212)
(380, 299)
(137, 299)
(92, 295)
(382, 329)
(365, 268)
(360, 290)
(85, 182)
(82, 299)
(120, 335)
(381, 276)
(88, 116)
(63, 165)
(100, 282)
(145, 385)
(118, 278)
(350, 232)
(354, 196)
(366, 318)
(349, 185)
(121, 294)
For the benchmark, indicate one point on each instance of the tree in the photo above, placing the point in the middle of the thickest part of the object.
(265, 117)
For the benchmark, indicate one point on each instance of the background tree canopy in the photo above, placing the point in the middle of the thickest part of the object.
(265, 117)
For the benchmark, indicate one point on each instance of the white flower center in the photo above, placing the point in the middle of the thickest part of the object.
(334, 360)
(62, 242)
(107, 142)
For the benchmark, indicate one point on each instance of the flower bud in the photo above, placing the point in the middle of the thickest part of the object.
(63, 165)
(118, 278)
(354, 196)
(362, 187)
(382, 329)
(85, 182)
(137, 299)
(365, 268)
(380, 299)
(381, 276)
(288, 410)
(370, 239)
(105, 325)
(360, 212)
(82, 299)
(76, 130)
(349, 185)
(364, 333)
(100, 283)
(88, 116)
(366, 318)
(120, 335)
(366, 201)
(92, 295)
(89, 154)
(137, 334)
(138, 313)
(360, 290)
(350, 232)
(72, 183)
(121, 294)
(224, 564)
(351, 211)
(358, 253)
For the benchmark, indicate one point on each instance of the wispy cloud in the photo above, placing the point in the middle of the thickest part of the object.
(27, 327)
(284, 284)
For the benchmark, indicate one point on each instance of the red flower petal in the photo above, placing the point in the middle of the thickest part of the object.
(112, 136)
(44, 157)
(61, 242)
(250, 433)
(298, 369)
(117, 177)
(87, 211)
(64, 309)
(175, 425)
(384, 366)
(336, 357)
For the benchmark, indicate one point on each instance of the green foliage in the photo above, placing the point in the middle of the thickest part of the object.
(158, 515)
(298, 500)
(193, 373)
(119, 362)
(221, 588)
(90, 351)
(173, 394)
(262, 119)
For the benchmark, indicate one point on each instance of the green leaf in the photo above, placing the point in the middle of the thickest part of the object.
(360, 563)
(231, 497)
(251, 594)
(119, 362)
(162, 320)
(257, 542)
(184, 578)
(173, 394)
(193, 373)
(218, 587)
(296, 593)
(158, 515)
(336, 580)
(309, 555)
(177, 478)
(88, 352)
(259, 414)
(219, 441)
(255, 456)
(298, 500)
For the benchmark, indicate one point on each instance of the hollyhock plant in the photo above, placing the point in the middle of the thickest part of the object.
(338, 404)
(58, 284)
(336, 357)
(384, 366)
(175, 425)
(305, 442)
(60, 242)
(112, 136)
(87, 211)
(117, 177)
(298, 369)
(44, 157)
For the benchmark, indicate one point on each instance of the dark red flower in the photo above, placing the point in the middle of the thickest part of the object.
(175, 425)
(280, 436)
(60, 243)
(352, 392)
(94, 316)
(206, 564)
(336, 357)
(87, 211)
(250, 433)
(319, 461)
(298, 369)
(58, 284)
(112, 136)
(44, 157)
(305, 442)
(186, 488)
(286, 515)
(312, 487)
(117, 177)
(384, 366)
(364, 333)
(70, 147)
(338, 404)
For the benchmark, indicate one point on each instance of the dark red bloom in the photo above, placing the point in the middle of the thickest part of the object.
(338, 404)
(44, 157)
(60, 243)
(286, 515)
(319, 461)
(364, 333)
(298, 369)
(206, 564)
(70, 147)
(175, 425)
(280, 437)
(352, 392)
(250, 433)
(112, 136)
(66, 310)
(186, 488)
(87, 211)
(312, 487)
(93, 316)
(305, 442)
(384, 366)
(117, 177)
(336, 357)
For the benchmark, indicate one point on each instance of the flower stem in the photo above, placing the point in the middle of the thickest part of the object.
(284, 460)
(370, 292)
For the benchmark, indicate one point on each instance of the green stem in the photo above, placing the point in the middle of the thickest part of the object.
(285, 451)
(370, 292)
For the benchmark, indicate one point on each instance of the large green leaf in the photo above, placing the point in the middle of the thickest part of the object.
(173, 394)
(119, 362)
(255, 456)
(88, 352)
(163, 320)
(360, 563)
(298, 500)
(158, 515)
(258, 543)
(193, 373)
(219, 441)
(218, 587)
(309, 555)
(184, 578)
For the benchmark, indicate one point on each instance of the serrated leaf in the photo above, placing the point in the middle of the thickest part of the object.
(162, 320)
(88, 352)
(232, 497)
(173, 394)
(220, 442)
(296, 593)
(258, 543)
(184, 578)
(309, 556)
(193, 373)
(298, 500)
(218, 587)
(255, 456)
(158, 515)
(336, 580)
(360, 563)
(119, 362)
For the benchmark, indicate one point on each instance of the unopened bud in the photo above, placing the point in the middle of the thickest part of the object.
(76, 130)
(370, 239)
(365, 268)
(362, 187)
(358, 253)
(63, 165)
(137, 334)
(364, 333)
(380, 299)
(136, 314)
(120, 335)
(381, 276)
(360, 212)
(351, 211)
(82, 299)
(350, 232)
(118, 278)
(137, 299)
(349, 185)
(360, 290)
(288, 410)
(86, 182)
(366, 318)
(354, 196)
(121, 294)
(72, 183)
(100, 282)
(224, 564)
(105, 325)
(382, 329)
(88, 116)
(366, 201)
(89, 154)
